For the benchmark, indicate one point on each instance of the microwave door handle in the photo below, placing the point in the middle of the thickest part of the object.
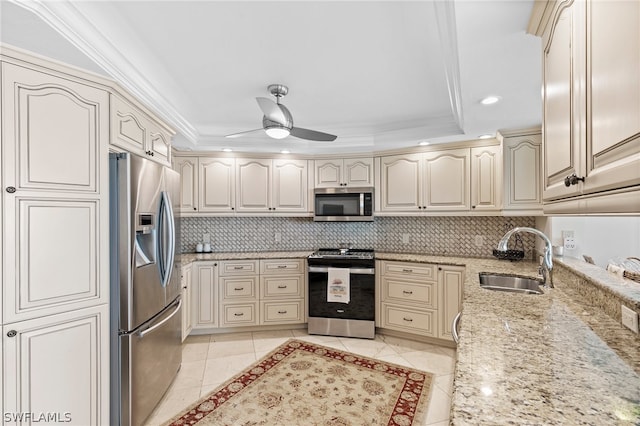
(362, 204)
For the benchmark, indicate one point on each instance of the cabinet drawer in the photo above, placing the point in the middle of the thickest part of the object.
(282, 312)
(238, 314)
(422, 271)
(281, 266)
(423, 293)
(282, 287)
(409, 320)
(238, 267)
(234, 288)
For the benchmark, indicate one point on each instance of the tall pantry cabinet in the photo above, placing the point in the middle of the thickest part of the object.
(55, 254)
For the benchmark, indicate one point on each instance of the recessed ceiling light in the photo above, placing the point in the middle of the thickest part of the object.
(490, 100)
(424, 143)
(285, 151)
(487, 136)
(227, 149)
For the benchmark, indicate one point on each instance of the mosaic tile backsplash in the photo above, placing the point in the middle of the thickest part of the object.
(451, 235)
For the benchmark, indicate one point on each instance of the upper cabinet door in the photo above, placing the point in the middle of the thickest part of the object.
(400, 183)
(217, 183)
(55, 202)
(613, 95)
(486, 178)
(522, 186)
(561, 127)
(133, 130)
(328, 173)
(253, 179)
(290, 188)
(188, 169)
(333, 173)
(53, 132)
(446, 179)
(358, 171)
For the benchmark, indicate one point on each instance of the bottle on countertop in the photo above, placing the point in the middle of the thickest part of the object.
(199, 248)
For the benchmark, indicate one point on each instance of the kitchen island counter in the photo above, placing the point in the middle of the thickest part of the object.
(553, 358)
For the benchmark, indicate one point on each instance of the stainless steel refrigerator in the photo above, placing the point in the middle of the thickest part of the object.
(145, 286)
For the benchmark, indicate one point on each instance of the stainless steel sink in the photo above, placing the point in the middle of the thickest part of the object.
(510, 283)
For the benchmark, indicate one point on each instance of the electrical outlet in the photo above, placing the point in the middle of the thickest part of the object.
(566, 234)
(479, 240)
(278, 237)
(569, 243)
(630, 319)
(405, 238)
(206, 238)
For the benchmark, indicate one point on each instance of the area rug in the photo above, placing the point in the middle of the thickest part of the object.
(302, 383)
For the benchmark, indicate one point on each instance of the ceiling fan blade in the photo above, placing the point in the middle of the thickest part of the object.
(312, 135)
(271, 110)
(237, 135)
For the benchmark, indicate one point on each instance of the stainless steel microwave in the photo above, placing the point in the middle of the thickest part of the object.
(343, 204)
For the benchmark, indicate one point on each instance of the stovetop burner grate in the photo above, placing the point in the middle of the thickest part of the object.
(333, 253)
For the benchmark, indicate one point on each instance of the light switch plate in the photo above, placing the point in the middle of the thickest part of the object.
(630, 319)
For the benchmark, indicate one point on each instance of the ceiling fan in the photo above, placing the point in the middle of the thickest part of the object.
(277, 121)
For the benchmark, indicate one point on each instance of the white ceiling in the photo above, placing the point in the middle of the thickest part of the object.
(379, 74)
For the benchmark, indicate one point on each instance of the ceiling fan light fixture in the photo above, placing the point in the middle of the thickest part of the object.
(277, 132)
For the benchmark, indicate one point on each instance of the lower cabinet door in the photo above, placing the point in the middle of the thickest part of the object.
(238, 314)
(422, 322)
(282, 312)
(56, 369)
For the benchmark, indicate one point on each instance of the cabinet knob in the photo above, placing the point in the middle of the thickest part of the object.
(12, 333)
(420, 207)
(473, 207)
(233, 208)
(195, 208)
(11, 189)
(572, 180)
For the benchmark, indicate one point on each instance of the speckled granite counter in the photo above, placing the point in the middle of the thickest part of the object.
(186, 258)
(538, 359)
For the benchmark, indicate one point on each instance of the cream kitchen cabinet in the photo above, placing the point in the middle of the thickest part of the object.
(216, 185)
(486, 179)
(58, 365)
(523, 173)
(205, 295)
(418, 298)
(275, 186)
(591, 98)
(355, 172)
(435, 181)
(239, 293)
(408, 297)
(450, 279)
(208, 184)
(136, 131)
(282, 291)
(55, 197)
(187, 317)
(188, 169)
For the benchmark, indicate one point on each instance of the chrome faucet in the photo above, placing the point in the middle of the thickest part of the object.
(546, 269)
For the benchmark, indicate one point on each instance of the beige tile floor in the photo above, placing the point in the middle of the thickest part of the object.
(208, 361)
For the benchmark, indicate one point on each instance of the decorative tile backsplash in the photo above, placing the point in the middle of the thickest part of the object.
(467, 236)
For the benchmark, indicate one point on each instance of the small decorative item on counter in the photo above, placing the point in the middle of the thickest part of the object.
(207, 248)
(517, 253)
(199, 248)
(626, 268)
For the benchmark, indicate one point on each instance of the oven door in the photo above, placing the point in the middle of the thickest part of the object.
(362, 292)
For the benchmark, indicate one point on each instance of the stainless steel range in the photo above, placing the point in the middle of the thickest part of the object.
(342, 292)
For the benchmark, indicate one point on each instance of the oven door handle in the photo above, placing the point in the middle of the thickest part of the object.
(358, 271)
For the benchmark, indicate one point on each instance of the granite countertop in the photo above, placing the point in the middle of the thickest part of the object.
(522, 359)
(538, 359)
(186, 258)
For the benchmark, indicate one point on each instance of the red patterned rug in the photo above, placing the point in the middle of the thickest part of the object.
(301, 383)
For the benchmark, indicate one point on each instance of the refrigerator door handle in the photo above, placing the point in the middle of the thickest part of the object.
(143, 333)
(166, 243)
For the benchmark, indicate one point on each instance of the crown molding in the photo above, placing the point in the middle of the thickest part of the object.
(446, 19)
(73, 25)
